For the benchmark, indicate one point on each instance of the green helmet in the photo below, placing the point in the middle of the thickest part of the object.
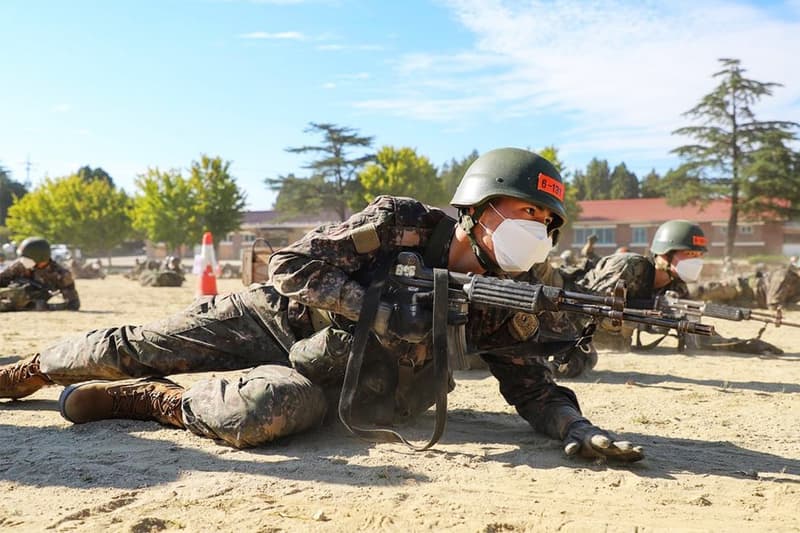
(35, 248)
(678, 235)
(516, 173)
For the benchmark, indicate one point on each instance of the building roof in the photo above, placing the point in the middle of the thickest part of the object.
(645, 210)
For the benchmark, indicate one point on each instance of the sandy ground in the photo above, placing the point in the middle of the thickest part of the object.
(721, 433)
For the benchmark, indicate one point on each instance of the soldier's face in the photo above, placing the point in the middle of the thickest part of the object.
(509, 208)
(680, 255)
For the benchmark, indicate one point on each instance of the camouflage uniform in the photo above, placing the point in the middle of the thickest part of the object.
(161, 278)
(783, 287)
(638, 273)
(52, 277)
(743, 291)
(328, 269)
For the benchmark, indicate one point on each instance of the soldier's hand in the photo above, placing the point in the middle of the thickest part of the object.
(408, 322)
(592, 442)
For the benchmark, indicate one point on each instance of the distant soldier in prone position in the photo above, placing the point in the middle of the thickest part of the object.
(169, 275)
(678, 248)
(29, 281)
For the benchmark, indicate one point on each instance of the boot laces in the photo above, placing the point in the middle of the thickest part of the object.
(143, 400)
(23, 371)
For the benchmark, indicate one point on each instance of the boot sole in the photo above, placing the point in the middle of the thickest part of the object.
(62, 400)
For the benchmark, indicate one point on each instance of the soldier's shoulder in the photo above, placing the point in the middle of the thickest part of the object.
(406, 210)
(622, 261)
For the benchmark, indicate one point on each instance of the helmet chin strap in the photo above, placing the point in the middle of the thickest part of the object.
(666, 266)
(467, 223)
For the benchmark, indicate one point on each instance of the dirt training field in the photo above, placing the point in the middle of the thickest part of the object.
(721, 434)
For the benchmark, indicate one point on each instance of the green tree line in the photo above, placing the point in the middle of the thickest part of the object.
(87, 210)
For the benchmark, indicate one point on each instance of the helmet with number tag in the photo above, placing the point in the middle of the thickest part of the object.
(679, 235)
(516, 173)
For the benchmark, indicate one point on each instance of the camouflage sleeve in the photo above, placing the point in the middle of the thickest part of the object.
(635, 270)
(60, 278)
(317, 269)
(13, 271)
(547, 407)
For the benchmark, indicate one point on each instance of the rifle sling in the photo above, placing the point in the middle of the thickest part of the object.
(439, 243)
(354, 362)
(649, 345)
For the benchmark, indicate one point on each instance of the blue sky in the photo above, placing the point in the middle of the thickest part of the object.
(126, 85)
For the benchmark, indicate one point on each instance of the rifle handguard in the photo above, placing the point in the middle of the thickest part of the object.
(512, 294)
(725, 312)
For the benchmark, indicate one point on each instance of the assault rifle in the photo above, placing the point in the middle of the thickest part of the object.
(410, 283)
(23, 293)
(463, 289)
(670, 305)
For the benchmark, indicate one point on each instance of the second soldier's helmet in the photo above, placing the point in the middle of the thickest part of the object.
(516, 173)
(679, 235)
(36, 248)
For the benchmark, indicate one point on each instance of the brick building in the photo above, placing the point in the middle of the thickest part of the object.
(633, 222)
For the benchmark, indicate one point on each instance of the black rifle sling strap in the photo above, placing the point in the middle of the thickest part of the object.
(439, 243)
(364, 325)
(649, 345)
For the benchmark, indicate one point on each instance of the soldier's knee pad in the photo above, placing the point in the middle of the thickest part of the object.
(322, 357)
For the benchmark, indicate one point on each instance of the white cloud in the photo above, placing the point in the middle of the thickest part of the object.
(61, 108)
(283, 35)
(329, 85)
(629, 68)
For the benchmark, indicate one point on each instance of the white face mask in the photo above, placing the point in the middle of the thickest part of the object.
(689, 269)
(27, 262)
(519, 244)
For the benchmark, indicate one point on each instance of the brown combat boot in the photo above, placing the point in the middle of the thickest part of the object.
(22, 379)
(137, 399)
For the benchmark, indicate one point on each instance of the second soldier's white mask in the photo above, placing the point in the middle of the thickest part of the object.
(689, 269)
(519, 244)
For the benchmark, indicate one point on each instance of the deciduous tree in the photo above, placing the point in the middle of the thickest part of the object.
(165, 209)
(401, 172)
(220, 201)
(9, 190)
(93, 216)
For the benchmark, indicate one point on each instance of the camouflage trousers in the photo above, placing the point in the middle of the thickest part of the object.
(217, 334)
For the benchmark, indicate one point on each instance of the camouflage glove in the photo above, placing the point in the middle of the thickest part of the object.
(591, 442)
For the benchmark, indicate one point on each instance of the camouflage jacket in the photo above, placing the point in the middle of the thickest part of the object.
(53, 277)
(783, 287)
(638, 273)
(330, 268)
(741, 291)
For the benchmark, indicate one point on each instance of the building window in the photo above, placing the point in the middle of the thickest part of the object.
(639, 236)
(248, 237)
(746, 229)
(604, 235)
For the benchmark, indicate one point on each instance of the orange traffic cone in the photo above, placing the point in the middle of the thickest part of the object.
(207, 282)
